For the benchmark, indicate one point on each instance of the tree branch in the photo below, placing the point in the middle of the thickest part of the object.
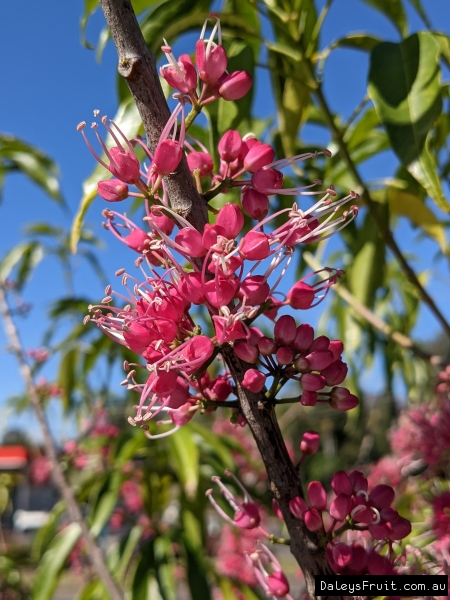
(138, 66)
(65, 490)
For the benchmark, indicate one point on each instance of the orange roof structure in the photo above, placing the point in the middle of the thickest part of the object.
(13, 457)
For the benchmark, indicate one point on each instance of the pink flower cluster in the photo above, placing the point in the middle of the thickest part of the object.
(232, 273)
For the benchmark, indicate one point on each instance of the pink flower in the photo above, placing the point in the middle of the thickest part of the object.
(246, 513)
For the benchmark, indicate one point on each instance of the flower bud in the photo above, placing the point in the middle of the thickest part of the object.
(310, 442)
(284, 356)
(303, 338)
(246, 352)
(317, 495)
(341, 483)
(311, 382)
(137, 240)
(319, 360)
(285, 330)
(112, 190)
(312, 519)
(235, 85)
(258, 156)
(335, 373)
(255, 204)
(298, 506)
(267, 346)
(340, 507)
(301, 296)
(277, 584)
(342, 400)
(201, 161)
(308, 398)
(267, 181)
(254, 380)
(230, 217)
(255, 288)
(230, 145)
(255, 246)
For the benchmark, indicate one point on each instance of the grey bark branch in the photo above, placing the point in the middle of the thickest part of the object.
(138, 66)
(65, 490)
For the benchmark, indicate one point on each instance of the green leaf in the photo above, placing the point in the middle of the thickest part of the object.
(356, 41)
(129, 121)
(52, 562)
(407, 204)
(405, 89)
(185, 457)
(128, 551)
(196, 571)
(67, 377)
(17, 155)
(393, 10)
(24, 258)
(90, 6)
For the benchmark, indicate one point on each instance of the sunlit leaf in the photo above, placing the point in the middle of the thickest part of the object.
(20, 262)
(49, 569)
(404, 86)
(393, 10)
(185, 459)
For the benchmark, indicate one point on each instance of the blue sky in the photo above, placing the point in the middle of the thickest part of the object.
(50, 83)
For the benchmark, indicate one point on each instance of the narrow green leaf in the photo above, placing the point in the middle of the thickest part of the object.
(393, 10)
(128, 551)
(185, 457)
(90, 6)
(67, 377)
(405, 89)
(24, 257)
(52, 562)
(18, 155)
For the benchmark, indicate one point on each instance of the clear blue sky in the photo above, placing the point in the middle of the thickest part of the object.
(50, 83)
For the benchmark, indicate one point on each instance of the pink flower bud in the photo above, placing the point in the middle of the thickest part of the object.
(266, 346)
(200, 349)
(320, 343)
(221, 389)
(246, 352)
(308, 398)
(259, 156)
(312, 519)
(285, 330)
(298, 506)
(191, 241)
(255, 288)
(335, 373)
(255, 204)
(340, 507)
(167, 156)
(301, 296)
(235, 85)
(319, 360)
(267, 181)
(277, 584)
(381, 496)
(311, 382)
(124, 164)
(303, 338)
(137, 240)
(310, 442)
(112, 190)
(342, 400)
(276, 509)
(317, 495)
(400, 529)
(254, 380)
(230, 217)
(255, 246)
(211, 64)
(341, 483)
(230, 145)
(336, 347)
(201, 161)
(302, 365)
(284, 356)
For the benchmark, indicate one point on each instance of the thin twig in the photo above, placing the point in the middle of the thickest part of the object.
(65, 490)
(397, 337)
